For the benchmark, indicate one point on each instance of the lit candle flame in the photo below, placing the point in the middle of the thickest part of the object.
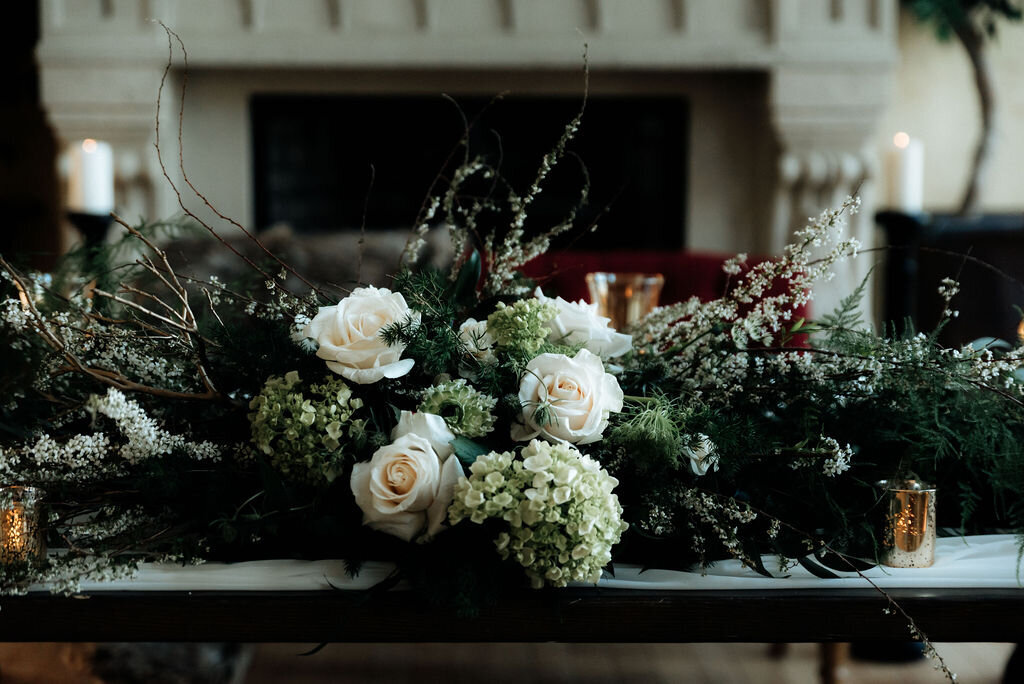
(904, 522)
(88, 145)
(13, 532)
(901, 140)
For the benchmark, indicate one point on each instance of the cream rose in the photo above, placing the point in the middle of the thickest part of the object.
(429, 426)
(579, 323)
(349, 339)
(566, 399)
(404, 490)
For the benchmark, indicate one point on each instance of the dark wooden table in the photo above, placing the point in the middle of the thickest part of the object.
(574, 615)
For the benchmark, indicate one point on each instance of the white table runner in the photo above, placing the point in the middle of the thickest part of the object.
(986, 561)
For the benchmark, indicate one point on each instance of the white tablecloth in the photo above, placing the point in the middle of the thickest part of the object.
(987, 561)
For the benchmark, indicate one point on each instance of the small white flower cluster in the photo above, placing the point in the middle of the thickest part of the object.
(150, 361)
(146, 439)
(65, 574)
(515, 250)
(830, 456)
(734, 265)
(563, 518)
(723, 515)
(658, 521)
(948, 288)
(97, 342)
(79, 459)
(460, 231)
(284, 306)
(91, 456)
(418, 238)
(14, 314)
(108, 522)
(839, 457)
(705, 343)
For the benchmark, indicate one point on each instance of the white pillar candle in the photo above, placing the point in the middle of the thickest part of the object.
(906, 177)
(91, 177)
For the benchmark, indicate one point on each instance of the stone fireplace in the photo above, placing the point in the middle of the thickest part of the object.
(783, 95)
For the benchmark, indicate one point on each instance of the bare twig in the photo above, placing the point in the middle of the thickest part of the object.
(915, 630)
(55, 341)
(181, 164)
(362, 223)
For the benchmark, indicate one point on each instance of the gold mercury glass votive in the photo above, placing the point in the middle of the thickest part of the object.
(625, 297)
(909, 540)
(22, 525)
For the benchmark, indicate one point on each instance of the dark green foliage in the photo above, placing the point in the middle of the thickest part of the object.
(449, 579)
(924, 414)
(431, 341)
(467, 450)
(844, 324)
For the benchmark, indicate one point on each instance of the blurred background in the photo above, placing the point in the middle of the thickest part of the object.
(711, 127)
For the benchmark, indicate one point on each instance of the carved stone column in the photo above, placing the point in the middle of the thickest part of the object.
(825, 107)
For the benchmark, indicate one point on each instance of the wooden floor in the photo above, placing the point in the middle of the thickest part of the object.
(600, 663)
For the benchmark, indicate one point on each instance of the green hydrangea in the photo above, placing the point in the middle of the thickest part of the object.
(521, 326)
(563, 518)
(466, 410)
(307, 432)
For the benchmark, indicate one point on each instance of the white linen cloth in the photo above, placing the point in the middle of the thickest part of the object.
(984, 561)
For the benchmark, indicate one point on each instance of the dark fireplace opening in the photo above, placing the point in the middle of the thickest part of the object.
(313, 156)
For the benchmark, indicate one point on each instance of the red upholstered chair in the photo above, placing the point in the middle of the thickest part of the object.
(686, 273)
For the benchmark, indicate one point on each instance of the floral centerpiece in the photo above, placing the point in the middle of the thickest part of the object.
(469, 426)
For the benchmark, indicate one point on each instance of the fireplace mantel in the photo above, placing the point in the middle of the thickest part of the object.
(786, 93)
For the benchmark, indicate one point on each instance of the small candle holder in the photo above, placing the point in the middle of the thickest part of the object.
(93, 227)
(22, 525)
(625, 298)
(909, 539)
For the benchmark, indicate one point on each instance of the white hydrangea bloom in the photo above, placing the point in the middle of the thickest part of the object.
(563, 517)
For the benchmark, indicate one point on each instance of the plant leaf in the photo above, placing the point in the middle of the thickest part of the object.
(467, 450)
(815, 569)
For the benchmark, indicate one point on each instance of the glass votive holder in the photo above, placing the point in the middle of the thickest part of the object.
(22, 525)
(625, 298)
(909, 535)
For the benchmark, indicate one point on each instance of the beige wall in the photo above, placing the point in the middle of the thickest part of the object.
(934, 100)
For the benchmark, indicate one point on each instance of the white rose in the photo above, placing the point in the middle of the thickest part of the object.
(404, 489)
(703, 457)
(429, 426)
(577, 396)
(349, 335)
(579, 323)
